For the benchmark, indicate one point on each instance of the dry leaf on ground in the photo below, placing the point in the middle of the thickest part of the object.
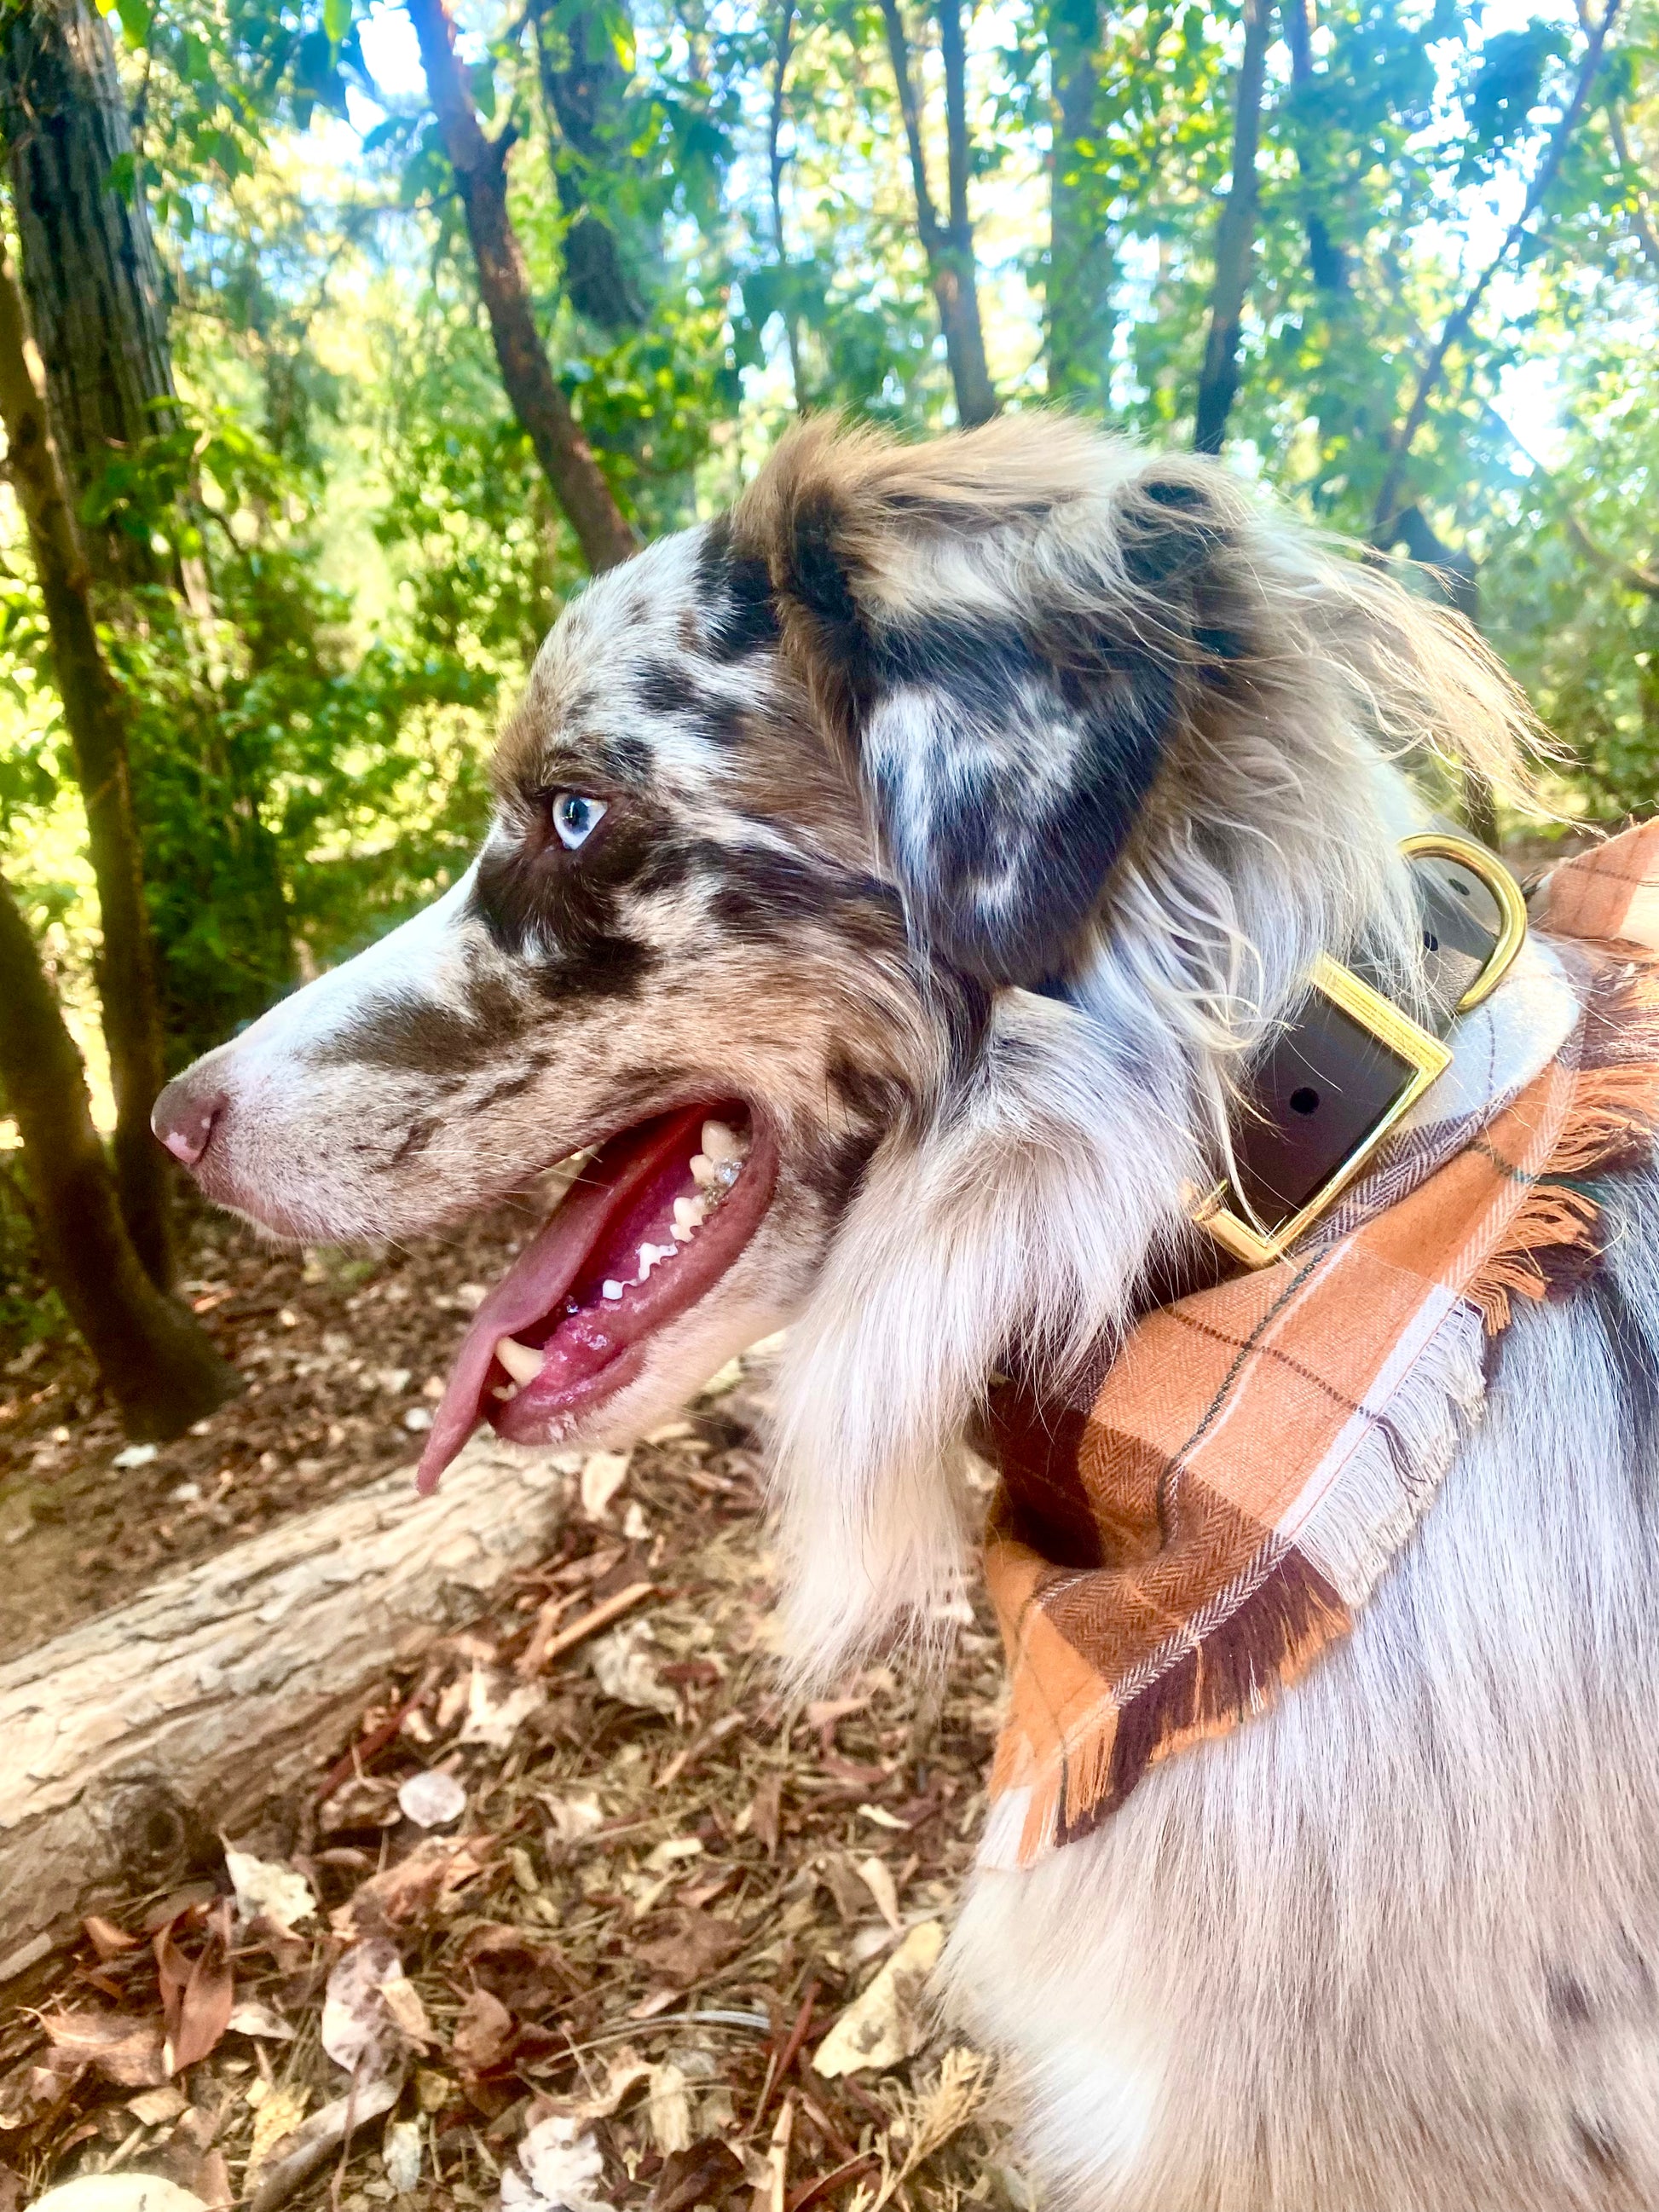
(699, 1945)
(198, 1989)
(603, 1476)
(267, 1888)
(624, 2074)
(878, 1879)
(668, 2105)
(124, 2049)
(253, 2017)
(279, 2113)
(484, 2033)
(372, 2010)
(888, 2023)
(665, 1920)
(561, 2171)
(400, 2155)
(416, 1887)
(705, 2173)
(497, 1707)
(625, 1665)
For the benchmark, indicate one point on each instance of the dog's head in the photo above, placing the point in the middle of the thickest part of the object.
(878, 879)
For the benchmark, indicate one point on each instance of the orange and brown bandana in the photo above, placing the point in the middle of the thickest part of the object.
(1171, 1548)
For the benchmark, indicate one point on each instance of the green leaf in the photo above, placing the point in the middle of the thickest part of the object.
(136, 17)
(123, 178)
(336, 19)
(484, 89)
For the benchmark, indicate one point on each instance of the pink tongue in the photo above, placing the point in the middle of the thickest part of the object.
(542, 1275)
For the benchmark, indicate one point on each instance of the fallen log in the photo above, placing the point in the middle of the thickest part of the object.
(127, 1743)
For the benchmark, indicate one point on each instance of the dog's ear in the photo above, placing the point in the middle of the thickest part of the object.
(1004, 631)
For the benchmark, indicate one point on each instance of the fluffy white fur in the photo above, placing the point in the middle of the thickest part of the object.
(1391, 1946)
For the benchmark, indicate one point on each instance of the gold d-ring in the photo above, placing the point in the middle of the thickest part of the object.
(1506, 893)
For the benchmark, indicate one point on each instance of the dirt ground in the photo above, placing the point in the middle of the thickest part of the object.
(343, 1355)
(604, 1974)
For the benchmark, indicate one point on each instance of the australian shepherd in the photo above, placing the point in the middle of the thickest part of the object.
(887, 885)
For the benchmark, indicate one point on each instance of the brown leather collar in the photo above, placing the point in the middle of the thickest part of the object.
(1338, 1076)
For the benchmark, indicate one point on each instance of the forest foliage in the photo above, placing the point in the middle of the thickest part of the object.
(1406, 252)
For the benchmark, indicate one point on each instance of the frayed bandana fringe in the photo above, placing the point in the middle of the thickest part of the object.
(1169, 1553)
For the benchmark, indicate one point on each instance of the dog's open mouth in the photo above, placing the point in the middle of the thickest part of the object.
(650, 1223)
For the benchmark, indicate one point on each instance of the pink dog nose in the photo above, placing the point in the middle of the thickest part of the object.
(183, 1117)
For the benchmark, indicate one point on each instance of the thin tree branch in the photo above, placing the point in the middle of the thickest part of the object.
(567, 459)
(1235, 237)
(1326, 259)
(898, 47)
(976, 401)
(1457, 324)
(950, 252)
(953, 49)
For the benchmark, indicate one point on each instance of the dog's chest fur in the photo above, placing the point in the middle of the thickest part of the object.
(1393, 1946)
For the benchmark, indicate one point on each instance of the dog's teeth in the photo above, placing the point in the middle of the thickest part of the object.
(523, 1363)
(651, 1255)
(690, 1214)
(611, 1288)
(721, 1143)
(704, 1173)
(505, 1390)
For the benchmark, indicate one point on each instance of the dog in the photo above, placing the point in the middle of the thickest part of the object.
(889, 887)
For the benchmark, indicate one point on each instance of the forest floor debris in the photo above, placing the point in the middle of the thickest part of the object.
(571, 1917)
(343, 1356)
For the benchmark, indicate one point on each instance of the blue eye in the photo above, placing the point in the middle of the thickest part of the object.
(576, 818)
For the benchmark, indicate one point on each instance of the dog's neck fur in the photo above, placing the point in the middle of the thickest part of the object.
(1028, 1212)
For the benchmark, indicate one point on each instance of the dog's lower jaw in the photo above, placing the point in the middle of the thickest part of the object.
(1394, 1945)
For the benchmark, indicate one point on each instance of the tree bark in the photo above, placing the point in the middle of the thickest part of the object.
(1235, 239)
(158, 1364)
(583, 85)
(950, 249)
(88, 261)
(1079, 303)
(479, 163)
(1327, 262)
(93, 714)
(135, 1739)
(1458, 323)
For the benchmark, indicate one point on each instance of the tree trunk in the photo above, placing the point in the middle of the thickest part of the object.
(1327, 262)
(93, 714)
(135, 1739)
(88, 261)
(1235, 239)
(950, 251)
(565, 458)
(583, 85)
(1079, 306)
(159, 1364)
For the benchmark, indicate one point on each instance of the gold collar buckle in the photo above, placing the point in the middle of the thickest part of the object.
(1347, 1022)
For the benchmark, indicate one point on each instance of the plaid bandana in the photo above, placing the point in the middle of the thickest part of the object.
(1214, 1501)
